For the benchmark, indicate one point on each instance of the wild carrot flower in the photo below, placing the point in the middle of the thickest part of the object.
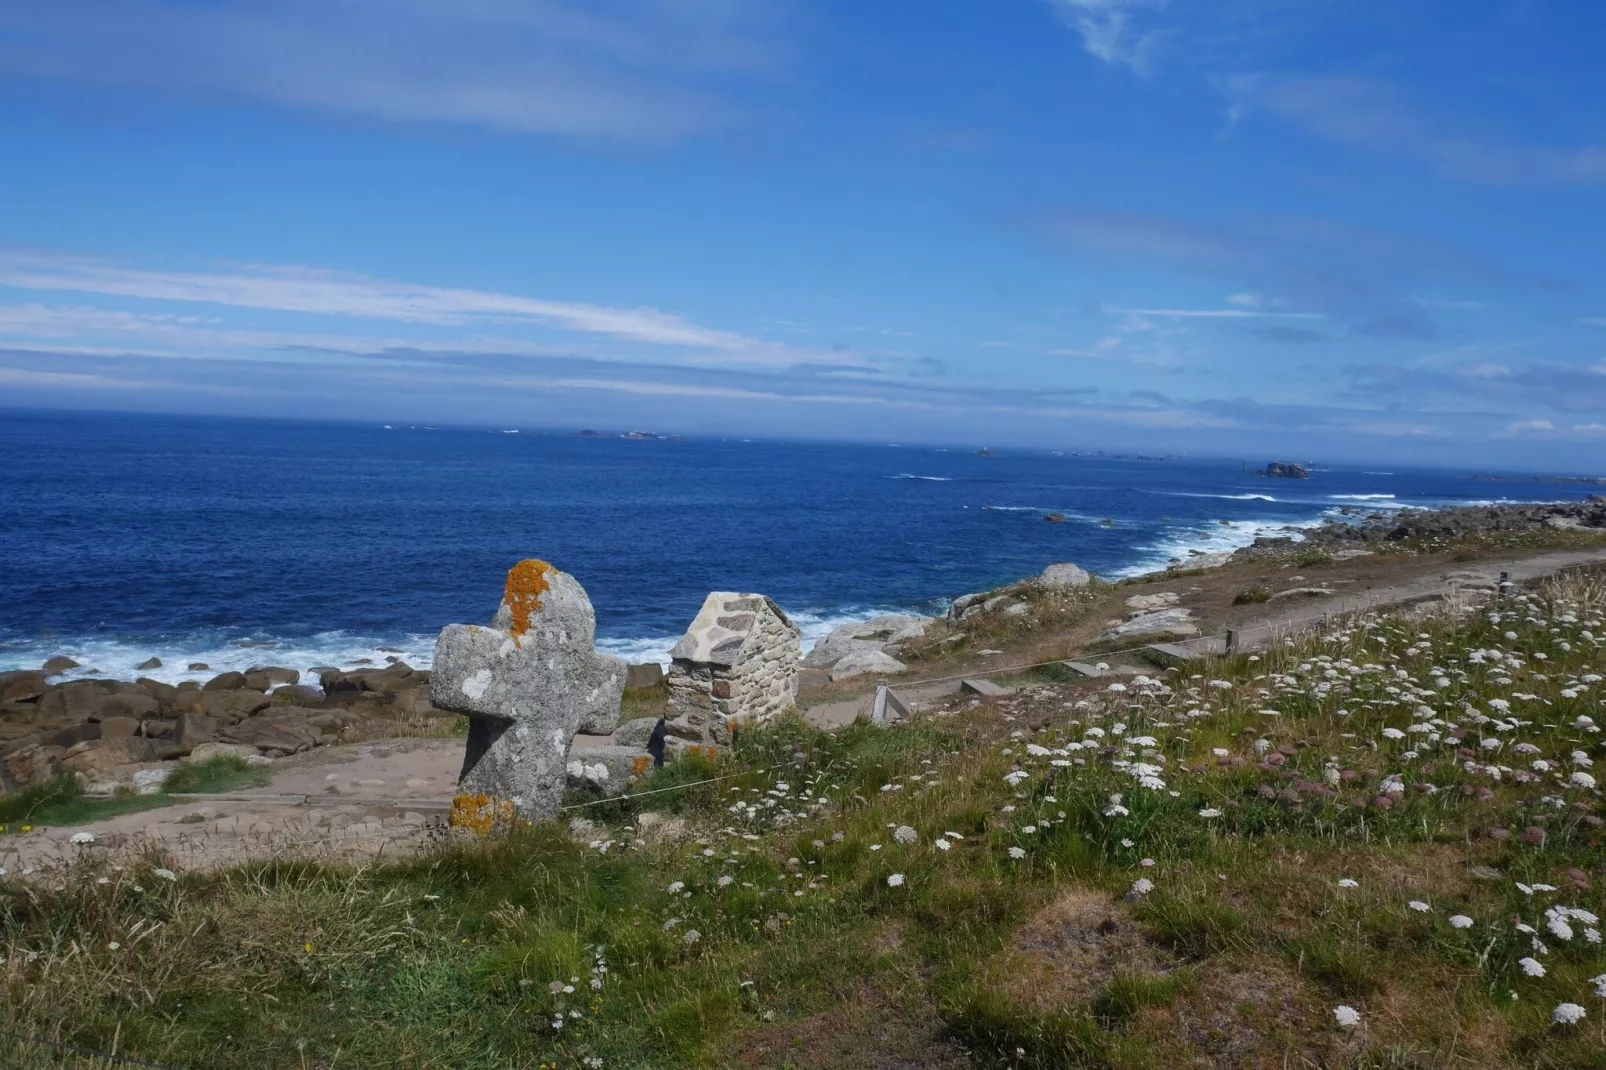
(1020, 852)
(1348, 1017)
(1460, 921)
(1419, 906)
(895, 880)
(905, 834)
(1532, 967)
(1210, 812)
(1345, 882)
(1567, 1014)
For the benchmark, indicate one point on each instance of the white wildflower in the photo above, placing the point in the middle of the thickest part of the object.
(1567, 1014)
(1419, 906)
(1142, 886)
(1532, 967)
(942, 845)
(905, 834)
(1017, 853)
(1581, 779)
(166, 874)
(82, 839)
(1345, 882)
(1348, 1017)
(676, 888)
(1460, 921)
(895, 880)
(1210, 812)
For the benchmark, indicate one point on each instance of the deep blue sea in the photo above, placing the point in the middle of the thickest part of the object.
(239, 542)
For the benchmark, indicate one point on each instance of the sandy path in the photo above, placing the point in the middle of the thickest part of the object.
(347, 803)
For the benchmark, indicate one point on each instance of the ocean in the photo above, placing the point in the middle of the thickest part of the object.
(239, 542)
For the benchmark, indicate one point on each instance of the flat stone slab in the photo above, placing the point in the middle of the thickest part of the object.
(985, 688)
(1169, 654)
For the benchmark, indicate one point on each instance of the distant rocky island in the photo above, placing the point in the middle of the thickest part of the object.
(1284, 470)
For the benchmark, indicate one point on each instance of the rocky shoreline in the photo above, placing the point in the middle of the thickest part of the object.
(96, 728)
(1454, 523)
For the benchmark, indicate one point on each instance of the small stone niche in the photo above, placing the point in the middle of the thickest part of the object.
(737, 663)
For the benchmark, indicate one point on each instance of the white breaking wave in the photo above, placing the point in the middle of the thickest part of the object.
(1222, 538)
(932, 479)
(1222, 497)
(1362, 497)
(119, 659)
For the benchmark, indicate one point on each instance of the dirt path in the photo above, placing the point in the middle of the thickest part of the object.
(346, 803)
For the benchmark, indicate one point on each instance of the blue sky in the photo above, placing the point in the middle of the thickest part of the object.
(1312, 228)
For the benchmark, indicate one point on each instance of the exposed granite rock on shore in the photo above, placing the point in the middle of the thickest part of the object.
(1587, 515)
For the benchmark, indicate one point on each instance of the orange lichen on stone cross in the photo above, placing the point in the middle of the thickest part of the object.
(481, 814)
(526, 583)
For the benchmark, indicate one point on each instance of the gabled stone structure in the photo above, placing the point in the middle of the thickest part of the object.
(738, 662)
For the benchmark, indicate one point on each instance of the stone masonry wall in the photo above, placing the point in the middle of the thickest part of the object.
(748, 680)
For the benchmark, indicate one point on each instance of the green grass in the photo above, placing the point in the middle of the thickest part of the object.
(1029, 941)
(62, 801)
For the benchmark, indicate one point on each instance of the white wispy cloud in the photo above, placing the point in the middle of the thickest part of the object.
(323, 293)
(1371, 113)
(25, 377)
(1215, 314)
(1110, 29)
(639, 69)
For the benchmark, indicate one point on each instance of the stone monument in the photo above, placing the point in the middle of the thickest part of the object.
(528, 683)
(738, 662)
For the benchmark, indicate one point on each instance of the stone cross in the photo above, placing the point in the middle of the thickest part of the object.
(528, 683)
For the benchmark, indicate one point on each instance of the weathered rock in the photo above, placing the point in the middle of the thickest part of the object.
(156, 689)
(59, 663)
(297, 695)
(274, 735)
(966, 603)
(1176, 621)
(528, 683)
(635, 733)
(198, 666)
(135, 705)
(860, 662)
(33, 763)
(94, 759)
(608, 770)
(1064, 576)
(75, 701)
(875, 634)
(118, 727)
(266, 678)
(22, 685)
(150, 663)
(1159, 600)
(232, 706)
(207, 751)
(650, 674)
(397, 677)
(225, 681)
(738, 661)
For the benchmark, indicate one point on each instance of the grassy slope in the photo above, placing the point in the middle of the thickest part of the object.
(1016, 946)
